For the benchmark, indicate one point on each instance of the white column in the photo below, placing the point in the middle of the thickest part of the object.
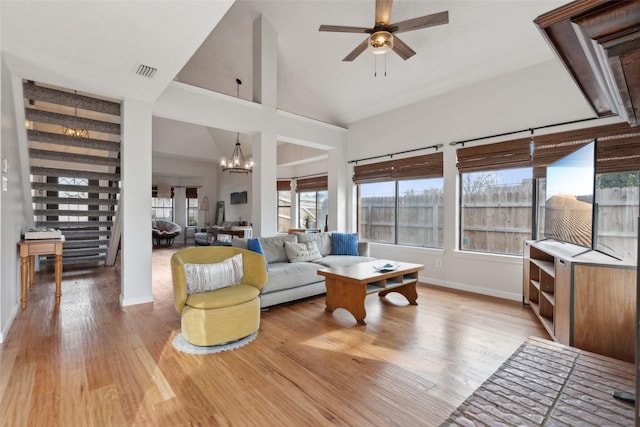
(339, 183)
(265, 63)
(135, 200)
(264, 203)
(180, 207)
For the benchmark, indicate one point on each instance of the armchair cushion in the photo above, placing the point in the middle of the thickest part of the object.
(225, 297)
(209, 277)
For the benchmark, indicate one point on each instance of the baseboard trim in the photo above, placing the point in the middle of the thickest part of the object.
(124, 302)
(12, 317)
(470, 288)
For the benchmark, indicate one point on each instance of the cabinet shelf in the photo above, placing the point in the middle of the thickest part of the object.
(587, 302)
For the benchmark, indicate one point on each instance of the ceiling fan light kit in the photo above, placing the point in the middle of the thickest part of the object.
(380, 42)
(382, 38)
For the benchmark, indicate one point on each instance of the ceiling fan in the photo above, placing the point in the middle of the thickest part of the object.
(382, 36)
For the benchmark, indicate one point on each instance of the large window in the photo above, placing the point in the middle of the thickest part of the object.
(499, 184)
(192, 206)
(401, 201)
(161, 207)
(496, 197)
(313, 207)
(284, 206)
(402, 212)
(313, 202)
(495, 210)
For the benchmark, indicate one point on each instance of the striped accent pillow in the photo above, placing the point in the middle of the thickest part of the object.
(209, 277)
(344, 244)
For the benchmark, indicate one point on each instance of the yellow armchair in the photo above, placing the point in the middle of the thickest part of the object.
(222, 315)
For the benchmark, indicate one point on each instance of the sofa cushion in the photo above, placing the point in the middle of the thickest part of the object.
(255, 246)
(209, 277)
(285, 275)
(323, 240)
(332, 261)
(302, 252)
(274, 247)
(344, 244)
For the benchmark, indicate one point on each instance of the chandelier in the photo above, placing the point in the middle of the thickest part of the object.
(237, 163)
(75, 132)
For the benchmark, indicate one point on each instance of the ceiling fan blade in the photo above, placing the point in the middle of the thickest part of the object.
(402, 49)
(383, 11)
(421, 22)
(357, 51)
(341, 29)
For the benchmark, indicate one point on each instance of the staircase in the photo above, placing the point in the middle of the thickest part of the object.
(74, 158)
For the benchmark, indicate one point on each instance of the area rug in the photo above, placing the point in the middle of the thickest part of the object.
(547, 383)
(181, 344)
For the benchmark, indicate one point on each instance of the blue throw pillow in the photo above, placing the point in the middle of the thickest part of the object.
(344, 244)
(255, 246)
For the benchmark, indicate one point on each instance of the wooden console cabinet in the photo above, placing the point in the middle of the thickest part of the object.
(585, 300)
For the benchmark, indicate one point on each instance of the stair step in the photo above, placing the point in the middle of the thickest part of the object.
(73, 252)
(59, 212)
(72, 141)
(74, 201)
(62, 156)
(83, 234)
(52, 186)
(54, 96)
(74, 173)
(72, 121)
(74, 260)
(66, 225)
(85, 243)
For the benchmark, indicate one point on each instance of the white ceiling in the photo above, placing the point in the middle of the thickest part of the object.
(96, 47)
(483, 39)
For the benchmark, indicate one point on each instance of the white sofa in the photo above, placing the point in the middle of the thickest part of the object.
(290, 281)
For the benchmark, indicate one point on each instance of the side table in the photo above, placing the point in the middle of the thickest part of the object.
(28, 250)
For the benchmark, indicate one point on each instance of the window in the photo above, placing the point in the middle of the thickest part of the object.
(313, 207)
(499, 183)
(401, 201)
(313, 202)
(496, 197)
(75, 197)
(284, 206)
(495, 210)
(192, 206)
(616, 186)
(161, 207)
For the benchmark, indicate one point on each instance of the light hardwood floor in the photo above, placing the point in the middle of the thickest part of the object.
(89, 362)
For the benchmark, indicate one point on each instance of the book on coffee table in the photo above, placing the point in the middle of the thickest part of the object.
(42, 233)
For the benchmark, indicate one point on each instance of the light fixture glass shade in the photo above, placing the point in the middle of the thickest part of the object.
(380, 42)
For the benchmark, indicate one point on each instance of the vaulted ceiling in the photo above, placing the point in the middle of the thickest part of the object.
(97, 46)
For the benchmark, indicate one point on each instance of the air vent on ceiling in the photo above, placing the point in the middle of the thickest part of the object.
(146, 71)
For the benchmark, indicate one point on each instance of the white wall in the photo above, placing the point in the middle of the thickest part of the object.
(531, 97)
(12, 208)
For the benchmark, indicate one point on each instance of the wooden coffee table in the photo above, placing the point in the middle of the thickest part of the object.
(348, 286)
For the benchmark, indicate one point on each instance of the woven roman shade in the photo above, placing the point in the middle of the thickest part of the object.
(283, 185)
(419, 167)
(192, 192)
(154, 191)
(501, 155)
(618, 148)
(318, 183)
